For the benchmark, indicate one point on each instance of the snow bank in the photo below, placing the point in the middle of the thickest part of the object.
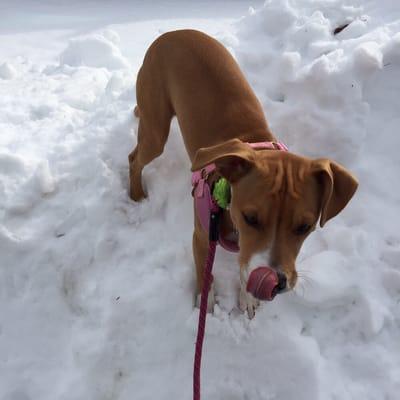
(333, 96)
(7, 71)
(23, 182)
(97, 291)
(309, 79)
(99, 50)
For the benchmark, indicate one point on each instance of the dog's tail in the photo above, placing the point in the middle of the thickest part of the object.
(136, 111)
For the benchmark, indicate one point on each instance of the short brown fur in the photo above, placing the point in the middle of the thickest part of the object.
(188, 74)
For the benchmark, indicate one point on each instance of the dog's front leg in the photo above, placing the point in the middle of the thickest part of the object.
(247, 302)
(200, 249)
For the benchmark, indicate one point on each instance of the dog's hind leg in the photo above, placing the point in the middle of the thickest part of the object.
(152, 136)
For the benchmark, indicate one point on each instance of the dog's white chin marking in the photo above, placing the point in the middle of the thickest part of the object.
(247, 302)
(210, 300)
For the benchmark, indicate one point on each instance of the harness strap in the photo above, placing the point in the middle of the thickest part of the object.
(269, 145)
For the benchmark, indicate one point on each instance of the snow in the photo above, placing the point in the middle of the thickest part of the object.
(7, 71)
(97, 292)
(95, 51)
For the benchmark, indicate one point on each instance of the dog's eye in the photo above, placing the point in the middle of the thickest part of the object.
(251, 220)
(302, 229)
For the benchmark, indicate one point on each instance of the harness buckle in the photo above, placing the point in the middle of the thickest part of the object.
(204, 174)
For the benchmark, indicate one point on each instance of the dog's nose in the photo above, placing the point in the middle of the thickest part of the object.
(282, 282)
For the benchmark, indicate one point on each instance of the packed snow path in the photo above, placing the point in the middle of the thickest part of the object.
(97, 292)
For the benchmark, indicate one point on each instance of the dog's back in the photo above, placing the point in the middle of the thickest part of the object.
(191, 75)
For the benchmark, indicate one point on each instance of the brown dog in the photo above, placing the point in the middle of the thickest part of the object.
(277, 197)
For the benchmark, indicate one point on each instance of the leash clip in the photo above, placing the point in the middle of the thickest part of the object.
(213, 233)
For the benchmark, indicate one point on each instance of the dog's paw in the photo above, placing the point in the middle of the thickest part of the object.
(210, 300)
(136, 192)
(247, 302)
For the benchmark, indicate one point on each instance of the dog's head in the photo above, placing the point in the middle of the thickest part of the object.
(277, 200)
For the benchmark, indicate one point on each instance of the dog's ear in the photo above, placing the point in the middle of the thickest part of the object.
(337, 187)
(233, 159)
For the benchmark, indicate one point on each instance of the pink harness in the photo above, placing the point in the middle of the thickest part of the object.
(204, 201)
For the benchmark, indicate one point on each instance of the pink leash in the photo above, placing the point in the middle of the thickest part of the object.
(207, 280)
(206, 207)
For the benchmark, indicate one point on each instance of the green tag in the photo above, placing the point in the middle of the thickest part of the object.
(222, 193)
